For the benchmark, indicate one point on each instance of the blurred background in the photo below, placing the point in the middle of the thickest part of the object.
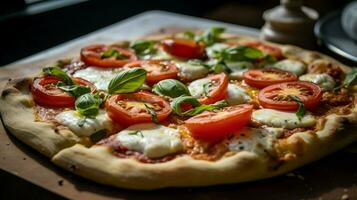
(30, 26)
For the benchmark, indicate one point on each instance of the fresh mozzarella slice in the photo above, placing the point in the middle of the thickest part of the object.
(197, 87)
(282, 119)
(83, 126)
(325, 81)
(293, 66)
(215, 47)
(237, 95)
(152, 140)
(100, 77)
(258, 140)
(192, 72)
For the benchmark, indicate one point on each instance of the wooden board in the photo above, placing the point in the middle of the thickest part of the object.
(333, 177)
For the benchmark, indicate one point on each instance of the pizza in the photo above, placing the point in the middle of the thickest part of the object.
(194, 108)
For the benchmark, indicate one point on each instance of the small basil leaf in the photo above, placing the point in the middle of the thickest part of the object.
(176, 103)
(189, 35)
(127, 81)
(152, 113)
(171, 88)
(75, 90)
(206, 88)
(300, 113)
(211, 36)
(113, 53)
(197, 62)
(59, 73)
(97, 136)
(240, 53)
(203, 107)
(142, 47)
(88, 104)
(351, 78)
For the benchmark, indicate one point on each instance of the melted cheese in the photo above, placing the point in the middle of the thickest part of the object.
(81, 125)
(215, 47)
(100, 77)
(282, 119)
(192, 72)
(196, 87)
(258, 140)
(237, 95)
(152, 140)
(325, 81)
(292, 66)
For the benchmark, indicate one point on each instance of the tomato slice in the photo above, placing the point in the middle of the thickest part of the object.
(128, 109)
(184, 48)
(278, 96)
(92, 55)
(45, 92)
(260, 78)
(157, 69)
(217, 89)
(213, 126)
(268, 49)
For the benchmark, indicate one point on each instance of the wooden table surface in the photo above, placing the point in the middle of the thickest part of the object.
(334, 177)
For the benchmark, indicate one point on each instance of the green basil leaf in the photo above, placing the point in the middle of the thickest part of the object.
(300, 113)
(211, 36)
(204, 107)
(97, 136)
(59, 73)
(206, 88)
(88, 104)
(240, 53)
(171, 88)
(176, 103)
(152, 113)
(114, 53)
(189, 35)
(127, 81)
(351, 78)
(75, 90)
(197, 62)
(142, 47)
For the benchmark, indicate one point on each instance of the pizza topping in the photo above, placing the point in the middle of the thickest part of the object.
(171, 88)
(81, 125)
(267, 49)
(152, 140)
(127, 81)
(323, 66)
(280, 119)
(59, 73)
(237, 95)
(156, 70)
(238, 53)
(293, 66)
(215, 125)
(279, 96)
(139, 107)
(142, 47)
(184, 48)
(88, 104)
(257, 140)
(325, 81)
(261, 78)
(210, 89)
(191, 71)
(107, 56)
(211, 36)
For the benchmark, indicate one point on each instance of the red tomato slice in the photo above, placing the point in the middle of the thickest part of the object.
(277, 96)
(45, 93)
(213, 126)
(218, 89)
(157, 69)
(271, 50)
(128, 109)
(184, 48)
(92, 55)
(261, 78)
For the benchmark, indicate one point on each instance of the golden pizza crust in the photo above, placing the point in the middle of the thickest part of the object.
(99, 164)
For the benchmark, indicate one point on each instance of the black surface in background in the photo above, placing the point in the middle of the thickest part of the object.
(24, 36)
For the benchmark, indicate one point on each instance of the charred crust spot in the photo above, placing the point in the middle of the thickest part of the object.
(21, 83)
(8, 91)
(72, 168)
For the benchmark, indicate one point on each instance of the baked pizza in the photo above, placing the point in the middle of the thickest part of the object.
(193, 108)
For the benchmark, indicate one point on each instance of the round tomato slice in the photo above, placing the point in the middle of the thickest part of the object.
(217, 89)
(278, 96)
(46, 93)
(213, 126)
(157, 69)
(260, 78)
(115, 56)
(184, 48)
(128, 109)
